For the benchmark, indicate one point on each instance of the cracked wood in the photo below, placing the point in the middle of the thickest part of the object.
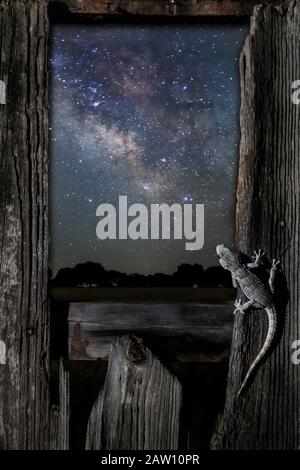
(24, 224)
(268, 217)
(139, 405)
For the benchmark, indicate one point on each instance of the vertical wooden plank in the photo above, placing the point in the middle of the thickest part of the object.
(64, 407)
(54, 427)
(94, 428)
(60, 415)
(139, 407)
(24, 224)
(268, 217)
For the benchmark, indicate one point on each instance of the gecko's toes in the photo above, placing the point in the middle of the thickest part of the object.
(238, 304)
(238, 310)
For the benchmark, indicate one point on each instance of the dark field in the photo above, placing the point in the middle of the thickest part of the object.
(148, 294)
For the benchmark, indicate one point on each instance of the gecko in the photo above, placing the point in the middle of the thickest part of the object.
(259, 296)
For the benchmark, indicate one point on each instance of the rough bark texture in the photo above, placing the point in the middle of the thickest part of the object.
(268, 216)
(60, 415)
(139, 407)
(23, 222)
(164, 7)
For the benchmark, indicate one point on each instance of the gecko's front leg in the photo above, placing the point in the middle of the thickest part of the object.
(258, 259)
(239, 307)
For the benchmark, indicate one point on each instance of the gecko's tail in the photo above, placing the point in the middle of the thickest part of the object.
(265, 351)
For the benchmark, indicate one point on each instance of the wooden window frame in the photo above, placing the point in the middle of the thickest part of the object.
(146, 9)
(24, 313)
(148, 12)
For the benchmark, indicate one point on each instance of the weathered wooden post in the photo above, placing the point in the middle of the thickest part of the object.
(139, 406)
(24, 225)
(268, 217)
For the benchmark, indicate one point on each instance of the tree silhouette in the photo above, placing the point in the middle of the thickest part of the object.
(92, 274)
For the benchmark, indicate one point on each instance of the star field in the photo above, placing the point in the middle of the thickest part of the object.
(150, 112)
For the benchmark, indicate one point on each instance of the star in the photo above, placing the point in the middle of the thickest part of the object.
(149, 112)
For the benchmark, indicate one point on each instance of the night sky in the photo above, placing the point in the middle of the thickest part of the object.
(150, 112)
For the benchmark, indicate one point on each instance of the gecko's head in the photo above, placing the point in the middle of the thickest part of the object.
(227, 258)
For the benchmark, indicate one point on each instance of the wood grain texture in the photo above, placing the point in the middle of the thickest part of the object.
(185, 332)
(23, 221)
(94, 428)
(60, 415)
(164, 7)
(140, 402)
(268, 217)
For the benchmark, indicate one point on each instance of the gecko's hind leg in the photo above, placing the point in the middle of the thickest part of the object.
(239, 307)
(273, 271)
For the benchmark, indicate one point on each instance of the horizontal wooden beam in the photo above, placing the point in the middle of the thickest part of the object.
(164, 7)
(183, 332)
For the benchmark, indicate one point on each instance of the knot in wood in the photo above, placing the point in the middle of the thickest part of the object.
(135, 351)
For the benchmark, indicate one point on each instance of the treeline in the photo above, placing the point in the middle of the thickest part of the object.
(92, 274)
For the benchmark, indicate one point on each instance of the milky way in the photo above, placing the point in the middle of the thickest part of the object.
(150, 112)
